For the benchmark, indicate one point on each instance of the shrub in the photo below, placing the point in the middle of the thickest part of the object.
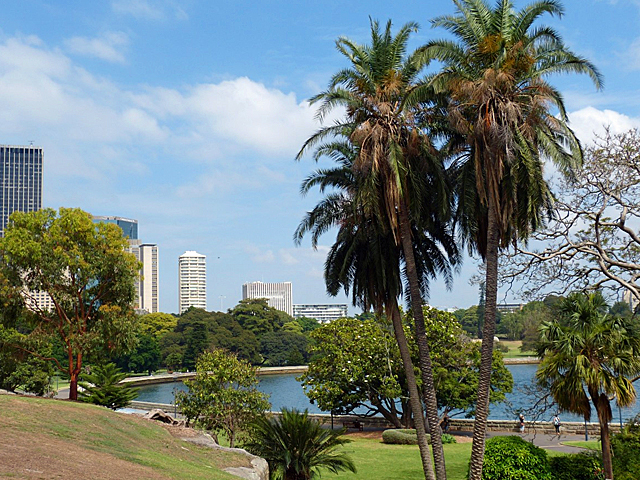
(448, 438)
(399, 436)
(512, 458)
(581, 466)
(103, 387)
(626, 451)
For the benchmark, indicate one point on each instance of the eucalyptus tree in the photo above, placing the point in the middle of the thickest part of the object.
(401, 186)
(509, 119)
(591, 355)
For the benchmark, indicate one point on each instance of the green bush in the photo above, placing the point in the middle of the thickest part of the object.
(626, 451)
(581, 466)
(448, 438)
(399, 436)
(512, 458)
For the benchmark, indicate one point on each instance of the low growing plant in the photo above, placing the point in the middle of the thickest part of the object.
(401, 436)
(580, 466)
(512, 458)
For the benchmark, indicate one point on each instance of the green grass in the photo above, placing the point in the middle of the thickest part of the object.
(590, 445)
(376, 460)
(33, 423)
(514, 349)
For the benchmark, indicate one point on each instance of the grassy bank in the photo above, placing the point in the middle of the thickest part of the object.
(42, 438)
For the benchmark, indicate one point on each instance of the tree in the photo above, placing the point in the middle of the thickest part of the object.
(297, 447)
(500, 105)
(357, 365)
(402, 185)
(85, 270)
(278, 348)
(145, 357)
(593, 240)
(223, 396)
(158, 323)
(364, 259)
(256, 316)
(102, 387)
(590, 356)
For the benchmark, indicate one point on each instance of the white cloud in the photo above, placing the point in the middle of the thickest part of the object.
(590, 122)
(149, 9)
(260, 255)
(109, 47)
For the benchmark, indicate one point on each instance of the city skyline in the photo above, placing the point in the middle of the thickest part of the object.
(187, 115)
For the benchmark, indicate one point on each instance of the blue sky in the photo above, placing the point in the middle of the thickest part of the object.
(187, 116)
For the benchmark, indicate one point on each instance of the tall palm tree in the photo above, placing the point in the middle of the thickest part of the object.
(502, 108)
(364, 260)
(592, 355)
(401, 180)
(297, 447)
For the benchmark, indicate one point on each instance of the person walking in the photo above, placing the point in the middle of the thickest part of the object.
(556, 424)
(521, 418)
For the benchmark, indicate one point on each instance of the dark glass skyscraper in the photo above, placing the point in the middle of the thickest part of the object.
(20, 181)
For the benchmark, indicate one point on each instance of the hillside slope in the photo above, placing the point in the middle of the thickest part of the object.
(45, 439)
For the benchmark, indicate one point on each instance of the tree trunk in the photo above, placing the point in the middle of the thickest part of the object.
(486, 355)
(602, 407)
(428, 387)
(414, 397)
(73, 387)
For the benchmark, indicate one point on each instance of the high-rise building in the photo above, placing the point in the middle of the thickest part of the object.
(192, 281)
(324, 313)
(147, 285)
(147, 254)
(20, 181)
(278, 295)
(128, 225)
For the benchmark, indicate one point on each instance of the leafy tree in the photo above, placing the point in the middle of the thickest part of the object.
(145, 357)
(256, 316)
(223, 396)
(102, 387)
(279, 348)
(297, 447)
(158, 323)
(590, 356)
(504, 111)
(84, 268)
(402, 185)
(197, 342)
(173, 361)
(308, 324)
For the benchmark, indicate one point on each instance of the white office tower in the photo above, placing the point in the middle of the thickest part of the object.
(324, 313)
(192, 281)
(147, 285)
(278, 295)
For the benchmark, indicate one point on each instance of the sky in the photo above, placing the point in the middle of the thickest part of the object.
(187, 115)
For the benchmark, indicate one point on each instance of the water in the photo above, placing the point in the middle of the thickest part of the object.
(286, 391)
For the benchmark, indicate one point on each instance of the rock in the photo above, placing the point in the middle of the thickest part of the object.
(161, 416)
(6, 392)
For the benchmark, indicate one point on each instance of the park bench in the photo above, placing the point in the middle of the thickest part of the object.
(353, 424)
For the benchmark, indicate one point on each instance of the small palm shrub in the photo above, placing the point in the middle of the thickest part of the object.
(297, 447)
(102, 387)
(512, 458)
(581, 466)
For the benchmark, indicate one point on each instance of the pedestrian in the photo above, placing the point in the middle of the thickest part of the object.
(521, 418)
(556, 424)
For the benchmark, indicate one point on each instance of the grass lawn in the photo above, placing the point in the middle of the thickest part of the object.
(514, 349)
(590, 445)
(376, 460)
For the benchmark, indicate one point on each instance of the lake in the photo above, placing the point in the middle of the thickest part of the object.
(286, 391)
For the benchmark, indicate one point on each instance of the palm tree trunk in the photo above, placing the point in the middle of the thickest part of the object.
(414, 397)
(601, 402)
(486, 353)
(428, 387)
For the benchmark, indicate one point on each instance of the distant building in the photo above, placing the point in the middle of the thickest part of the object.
(20, 181)
(147, 298)
(129, 226)
(509, 307)
(192, 281)
(278, 295)
(324, 313)
(630, 299)
(147, 285)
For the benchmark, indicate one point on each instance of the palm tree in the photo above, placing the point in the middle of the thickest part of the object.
(591, 355)
(297, 447)
(502, 107)
(364, 260)
(103, 387)
(401, 180)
